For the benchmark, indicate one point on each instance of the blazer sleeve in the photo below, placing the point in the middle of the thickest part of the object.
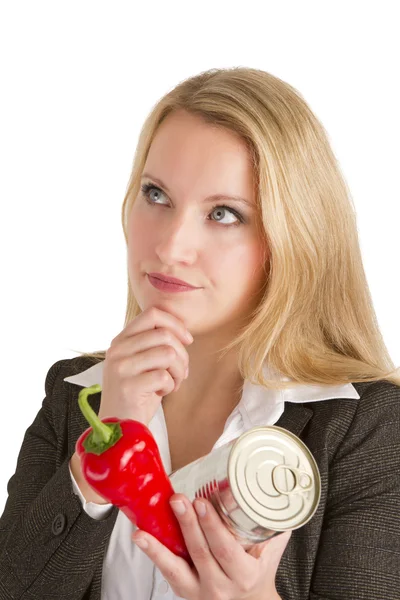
(49, 546)
(359, 548)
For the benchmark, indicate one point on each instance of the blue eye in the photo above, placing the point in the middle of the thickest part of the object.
(147, 189)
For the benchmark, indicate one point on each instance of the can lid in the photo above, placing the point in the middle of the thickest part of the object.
(274, 478)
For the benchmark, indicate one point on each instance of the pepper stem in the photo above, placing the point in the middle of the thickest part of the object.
(101, 432)
(103, 435)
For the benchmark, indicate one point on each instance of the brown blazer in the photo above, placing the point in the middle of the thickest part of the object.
(350, 550)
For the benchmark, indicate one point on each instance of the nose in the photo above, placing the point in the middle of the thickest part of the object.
(178, 241)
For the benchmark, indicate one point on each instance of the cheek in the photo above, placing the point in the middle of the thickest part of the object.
(139, 235)
(242, 262)
(250, 275)
(135, 236)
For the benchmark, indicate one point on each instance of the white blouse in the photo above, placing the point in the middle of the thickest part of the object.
(128, 573)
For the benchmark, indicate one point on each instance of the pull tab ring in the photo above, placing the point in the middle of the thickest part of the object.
(303, 481)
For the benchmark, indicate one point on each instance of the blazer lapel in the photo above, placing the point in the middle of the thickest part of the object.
(294, 418)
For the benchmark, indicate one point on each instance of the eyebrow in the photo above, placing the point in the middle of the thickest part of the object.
(213, 198)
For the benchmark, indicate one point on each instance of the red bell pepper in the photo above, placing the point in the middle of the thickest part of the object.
(120, 459)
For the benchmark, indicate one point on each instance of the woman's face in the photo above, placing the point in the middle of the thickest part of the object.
(175, 230)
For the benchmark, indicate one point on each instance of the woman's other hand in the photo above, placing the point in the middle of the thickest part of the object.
(223, 568)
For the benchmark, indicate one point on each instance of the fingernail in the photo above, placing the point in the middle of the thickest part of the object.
(189, 336)
(178, 507)
(200, 508)
(187, 373)
(141, 542)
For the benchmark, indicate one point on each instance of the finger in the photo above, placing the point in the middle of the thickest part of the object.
(204, 559)
(161, 357)
(152, 318)
(237, 565)
(173, 365)
(274, 548)
(174, 569)
(128, 347)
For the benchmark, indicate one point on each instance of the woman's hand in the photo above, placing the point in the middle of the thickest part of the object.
(146, 361)
(223, 568)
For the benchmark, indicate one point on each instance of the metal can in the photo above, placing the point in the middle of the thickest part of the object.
(262, 483)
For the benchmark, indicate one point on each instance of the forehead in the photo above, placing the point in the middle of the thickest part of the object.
(181, 130)
(186, 151)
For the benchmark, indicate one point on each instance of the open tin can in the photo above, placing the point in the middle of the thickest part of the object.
(262, 483)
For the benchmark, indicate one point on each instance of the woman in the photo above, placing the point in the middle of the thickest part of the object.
(234, 190)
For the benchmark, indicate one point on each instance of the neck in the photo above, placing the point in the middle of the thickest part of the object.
(212, 387)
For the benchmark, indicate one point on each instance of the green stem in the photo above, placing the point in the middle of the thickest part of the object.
(102, 433)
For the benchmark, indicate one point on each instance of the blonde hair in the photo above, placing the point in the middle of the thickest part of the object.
(315, 323)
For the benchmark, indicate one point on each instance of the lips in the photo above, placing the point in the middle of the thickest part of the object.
(171, 280)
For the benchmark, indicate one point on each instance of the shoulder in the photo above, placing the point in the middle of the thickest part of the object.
(60, 394)
(342, 421)
(364, 465)
(378, 398)
(65, 367)
(60, 406)
(379, 404)
(377, 414)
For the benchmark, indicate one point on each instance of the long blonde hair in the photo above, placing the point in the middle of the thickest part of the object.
(315, 323)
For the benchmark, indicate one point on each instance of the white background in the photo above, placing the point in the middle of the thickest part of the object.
(78, 80)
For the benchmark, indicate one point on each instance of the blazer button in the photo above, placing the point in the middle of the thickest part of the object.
(58, 524)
